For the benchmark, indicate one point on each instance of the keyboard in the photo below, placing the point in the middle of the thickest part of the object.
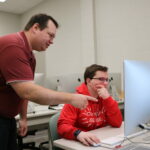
(134, 147)
(40, 108)
(113, 141)
(58, 107)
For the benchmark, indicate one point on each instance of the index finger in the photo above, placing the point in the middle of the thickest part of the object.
(90, 98)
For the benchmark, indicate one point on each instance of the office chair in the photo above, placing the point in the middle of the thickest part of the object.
(52, 133)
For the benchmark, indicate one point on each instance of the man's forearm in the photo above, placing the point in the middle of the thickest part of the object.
(35, 93)
(41, 95)
(23, 111)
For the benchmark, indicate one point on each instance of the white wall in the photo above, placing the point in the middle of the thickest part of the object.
(10, 23)
(65, 54)
(72, 51)
(122, 31)
(101, 31)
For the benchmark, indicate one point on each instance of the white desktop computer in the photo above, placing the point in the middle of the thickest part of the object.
(137, 95)
(137, 101)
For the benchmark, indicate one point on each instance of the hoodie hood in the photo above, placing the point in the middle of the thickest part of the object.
(82, 89)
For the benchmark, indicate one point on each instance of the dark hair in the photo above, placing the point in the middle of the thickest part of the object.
(91, 70)
(42, 20)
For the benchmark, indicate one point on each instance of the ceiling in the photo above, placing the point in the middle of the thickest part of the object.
(18, 6)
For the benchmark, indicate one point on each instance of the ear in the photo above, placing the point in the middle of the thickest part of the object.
(35, 27)
(88, 80)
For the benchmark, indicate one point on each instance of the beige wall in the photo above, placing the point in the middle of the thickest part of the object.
(122, 31)
(73, 48)
(10, 23)
(91, 31)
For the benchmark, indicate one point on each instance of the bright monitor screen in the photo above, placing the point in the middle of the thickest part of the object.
(137, 95)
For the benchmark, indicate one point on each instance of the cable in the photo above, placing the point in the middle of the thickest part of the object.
(144, 126)
(137, 142)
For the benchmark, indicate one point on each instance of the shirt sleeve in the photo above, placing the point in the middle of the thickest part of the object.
(66, 122)
(113, 113)
(15, 65)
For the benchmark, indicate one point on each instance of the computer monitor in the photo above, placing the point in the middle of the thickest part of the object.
(114, 87)
(115, 79)
(137, 95)
(69, 82)
(39, 79)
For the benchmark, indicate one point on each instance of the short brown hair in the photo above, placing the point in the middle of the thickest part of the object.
(91, 70)
(42, 20)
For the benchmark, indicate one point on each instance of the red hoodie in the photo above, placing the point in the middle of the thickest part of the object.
(95, 115)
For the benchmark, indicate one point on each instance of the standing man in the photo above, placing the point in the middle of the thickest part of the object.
(17, 66)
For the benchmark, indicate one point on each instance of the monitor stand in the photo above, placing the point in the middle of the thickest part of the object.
(136, 134)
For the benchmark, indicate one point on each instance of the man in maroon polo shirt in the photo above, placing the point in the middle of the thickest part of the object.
(17, 65)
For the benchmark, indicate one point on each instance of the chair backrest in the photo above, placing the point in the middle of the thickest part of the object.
(53, 135)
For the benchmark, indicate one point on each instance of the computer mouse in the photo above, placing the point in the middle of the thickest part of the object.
(96, 144)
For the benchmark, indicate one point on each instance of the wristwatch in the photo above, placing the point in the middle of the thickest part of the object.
(76, 133)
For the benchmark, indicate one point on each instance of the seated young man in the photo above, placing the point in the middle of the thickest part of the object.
(73, 122)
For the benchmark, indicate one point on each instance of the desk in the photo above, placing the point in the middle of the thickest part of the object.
(36, 121)
(101, 133)
(39, 118)
(42, 117)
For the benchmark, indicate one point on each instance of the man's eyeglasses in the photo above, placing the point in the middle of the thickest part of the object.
(101, 79)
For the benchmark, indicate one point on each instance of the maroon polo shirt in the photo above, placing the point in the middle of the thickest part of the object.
(17, 64)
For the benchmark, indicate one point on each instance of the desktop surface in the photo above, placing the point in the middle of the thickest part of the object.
(101, 133)
(134, 147)
(38, 119)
